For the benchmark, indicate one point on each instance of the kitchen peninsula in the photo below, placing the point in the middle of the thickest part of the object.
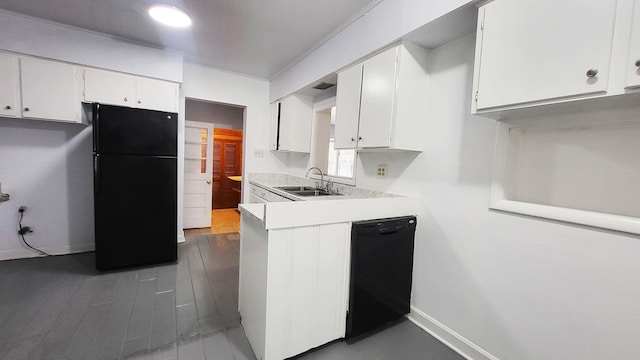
(294, 263)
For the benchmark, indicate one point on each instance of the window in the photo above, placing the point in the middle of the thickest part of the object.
(338, 164)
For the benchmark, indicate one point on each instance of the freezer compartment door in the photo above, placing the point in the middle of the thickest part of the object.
(122, 130)
(135, 210)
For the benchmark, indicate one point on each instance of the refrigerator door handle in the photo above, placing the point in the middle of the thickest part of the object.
(96, 128)
(96, 173)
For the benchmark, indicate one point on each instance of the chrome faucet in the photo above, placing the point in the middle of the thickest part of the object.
(321, 174)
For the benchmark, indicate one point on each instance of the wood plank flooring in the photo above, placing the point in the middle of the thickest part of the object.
(61, 308)
(223, 221)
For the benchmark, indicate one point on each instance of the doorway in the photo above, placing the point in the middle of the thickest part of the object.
(217, 194)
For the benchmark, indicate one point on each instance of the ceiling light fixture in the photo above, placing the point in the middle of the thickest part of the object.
(170, 15)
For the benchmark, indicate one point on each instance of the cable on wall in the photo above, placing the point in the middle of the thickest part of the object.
(25, 229)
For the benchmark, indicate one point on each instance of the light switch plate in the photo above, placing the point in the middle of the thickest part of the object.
(381, 173)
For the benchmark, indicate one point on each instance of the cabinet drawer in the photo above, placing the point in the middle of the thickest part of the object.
(267, 195)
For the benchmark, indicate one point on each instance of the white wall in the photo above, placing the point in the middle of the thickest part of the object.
(47, 166)
(222, 116)
(209, 84)
(518, 287)
(384, 24)
(29, 36)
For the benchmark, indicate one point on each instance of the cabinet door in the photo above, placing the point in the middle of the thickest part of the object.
(274, 124)
(286, 109)
(156, 95)
(377, 101)
(49, 90)
(300, 124)
(109, 87)
(9, 78)
(348, 107)
(633, 64)
(532, 51)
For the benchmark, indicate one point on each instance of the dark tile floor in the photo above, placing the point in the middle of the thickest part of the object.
(61, 308)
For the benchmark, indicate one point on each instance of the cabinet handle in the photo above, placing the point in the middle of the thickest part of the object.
(208, 182)
(139, 102)
(359, 137)
(125, 99)
(7, 107)
(353, 139)
(638, 63)
(592, 73)
(26, 109)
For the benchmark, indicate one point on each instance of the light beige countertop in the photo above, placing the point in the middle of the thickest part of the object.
(355, 205)
(271, 182)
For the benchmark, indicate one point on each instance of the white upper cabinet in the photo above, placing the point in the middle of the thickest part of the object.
(348, 107)
(273, 126)
(285, 122)
(291, 120)
(532, 50)
(528, 54)
(10, 80)
(50, 90)
(110, 87)
(381, 102)
(157, 94)
(377, 99)
(633, 63)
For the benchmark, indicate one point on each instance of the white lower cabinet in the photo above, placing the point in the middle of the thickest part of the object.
(293, 286)
(262, 195)
(50, 90)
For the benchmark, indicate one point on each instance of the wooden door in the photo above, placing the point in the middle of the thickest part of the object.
(197, 174)
(227, 162)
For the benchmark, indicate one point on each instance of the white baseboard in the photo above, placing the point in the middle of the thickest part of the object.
(181, 238)
(53, 250)
(452, 339)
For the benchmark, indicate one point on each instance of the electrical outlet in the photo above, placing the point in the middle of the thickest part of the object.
(382, 171)
(258, 153)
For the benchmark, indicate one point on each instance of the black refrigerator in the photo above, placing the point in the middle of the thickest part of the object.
(135, 186)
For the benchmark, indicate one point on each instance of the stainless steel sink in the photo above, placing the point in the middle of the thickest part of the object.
(295, 188)
(312, 193)
(305, 191)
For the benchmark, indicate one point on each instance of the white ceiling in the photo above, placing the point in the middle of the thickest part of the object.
(254, 37)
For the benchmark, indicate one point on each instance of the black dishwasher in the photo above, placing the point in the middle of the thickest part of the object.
(381, 270)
